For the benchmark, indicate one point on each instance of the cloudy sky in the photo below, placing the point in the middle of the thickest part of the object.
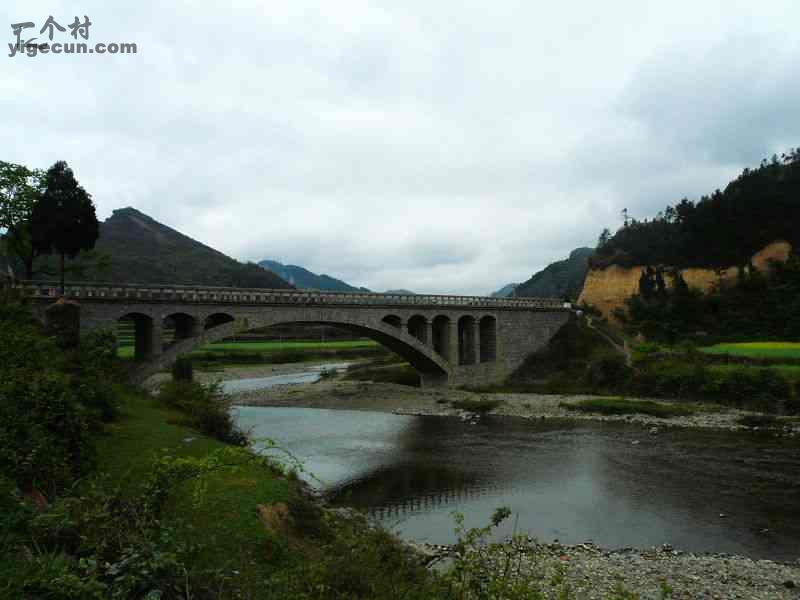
(436, 146)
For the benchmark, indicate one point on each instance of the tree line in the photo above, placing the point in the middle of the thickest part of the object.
(43, 213)
(724, 229)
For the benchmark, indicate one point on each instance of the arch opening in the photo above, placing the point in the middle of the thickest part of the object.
(488, 339)
(418, 328)
(393, 320)
(466, 341)
(217, 319)
(441, 336)
(135, 337)
(179, 326)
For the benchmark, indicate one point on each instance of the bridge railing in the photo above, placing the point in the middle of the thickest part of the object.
(227, 295)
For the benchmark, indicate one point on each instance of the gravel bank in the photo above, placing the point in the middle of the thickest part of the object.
(398, 399)
(594, 572)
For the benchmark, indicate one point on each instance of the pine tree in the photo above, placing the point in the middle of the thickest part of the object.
(63, 222)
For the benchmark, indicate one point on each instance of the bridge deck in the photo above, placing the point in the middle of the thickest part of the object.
(110, 292)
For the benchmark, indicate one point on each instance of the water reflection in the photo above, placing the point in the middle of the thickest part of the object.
(616, 485)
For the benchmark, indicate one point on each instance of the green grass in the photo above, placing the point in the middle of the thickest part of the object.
(624, 406)
(757, 349)
(282, 346)
(265, 348)
(224, 521)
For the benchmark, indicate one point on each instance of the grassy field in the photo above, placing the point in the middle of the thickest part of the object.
(282, 346)
(125, 349)
(233, 539)
(757, 349)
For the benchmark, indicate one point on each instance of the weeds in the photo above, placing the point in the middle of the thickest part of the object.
(623, 406)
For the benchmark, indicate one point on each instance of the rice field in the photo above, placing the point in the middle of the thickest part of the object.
(125, 349)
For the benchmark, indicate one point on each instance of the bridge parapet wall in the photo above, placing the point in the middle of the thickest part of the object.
(205, 295)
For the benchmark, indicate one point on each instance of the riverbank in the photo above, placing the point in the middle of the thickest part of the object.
(404, 400)
(656, 573)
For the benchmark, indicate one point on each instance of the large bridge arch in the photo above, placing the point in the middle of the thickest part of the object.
(433, 368)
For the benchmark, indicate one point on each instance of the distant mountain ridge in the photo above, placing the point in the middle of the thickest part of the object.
(302, 278)
(142, 250)
(559, 279)
(505, 291)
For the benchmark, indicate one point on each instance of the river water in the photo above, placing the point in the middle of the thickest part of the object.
(613, 484)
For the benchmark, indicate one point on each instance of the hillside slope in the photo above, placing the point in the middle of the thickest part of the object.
(143, 250)
(558, 279)
(305, 279)
(505, 291)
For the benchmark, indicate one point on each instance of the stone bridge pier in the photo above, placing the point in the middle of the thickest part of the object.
(449, 340)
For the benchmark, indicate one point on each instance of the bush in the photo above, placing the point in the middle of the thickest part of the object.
(98, 351)
(608, 372)
(44, 431)
(98, 396)
(206, 407)
(182, 369)
(745, 387)
(105, 544)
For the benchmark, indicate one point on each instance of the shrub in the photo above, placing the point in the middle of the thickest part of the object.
(743, 386)
(206, 407)
(98, 351)
(105, 544)
(44, 431)
(182, 369)
(608, 372)
(98, 396)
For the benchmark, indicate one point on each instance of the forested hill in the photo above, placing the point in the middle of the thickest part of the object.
(142, 250)
(305, 279)
(724, 229)
(559, 279)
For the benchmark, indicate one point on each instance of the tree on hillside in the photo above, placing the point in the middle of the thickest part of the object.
(20, 190)
(63, 222)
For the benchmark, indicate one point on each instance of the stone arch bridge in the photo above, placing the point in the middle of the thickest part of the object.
(450, 340)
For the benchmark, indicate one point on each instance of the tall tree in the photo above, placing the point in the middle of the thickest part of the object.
(20, 190)
(64, 220)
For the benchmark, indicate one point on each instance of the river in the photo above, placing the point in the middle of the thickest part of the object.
(614, 484)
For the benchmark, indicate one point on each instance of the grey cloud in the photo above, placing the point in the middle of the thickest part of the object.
(442, 147)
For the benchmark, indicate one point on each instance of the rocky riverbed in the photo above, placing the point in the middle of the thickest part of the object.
(656, 573)
(399, 399)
